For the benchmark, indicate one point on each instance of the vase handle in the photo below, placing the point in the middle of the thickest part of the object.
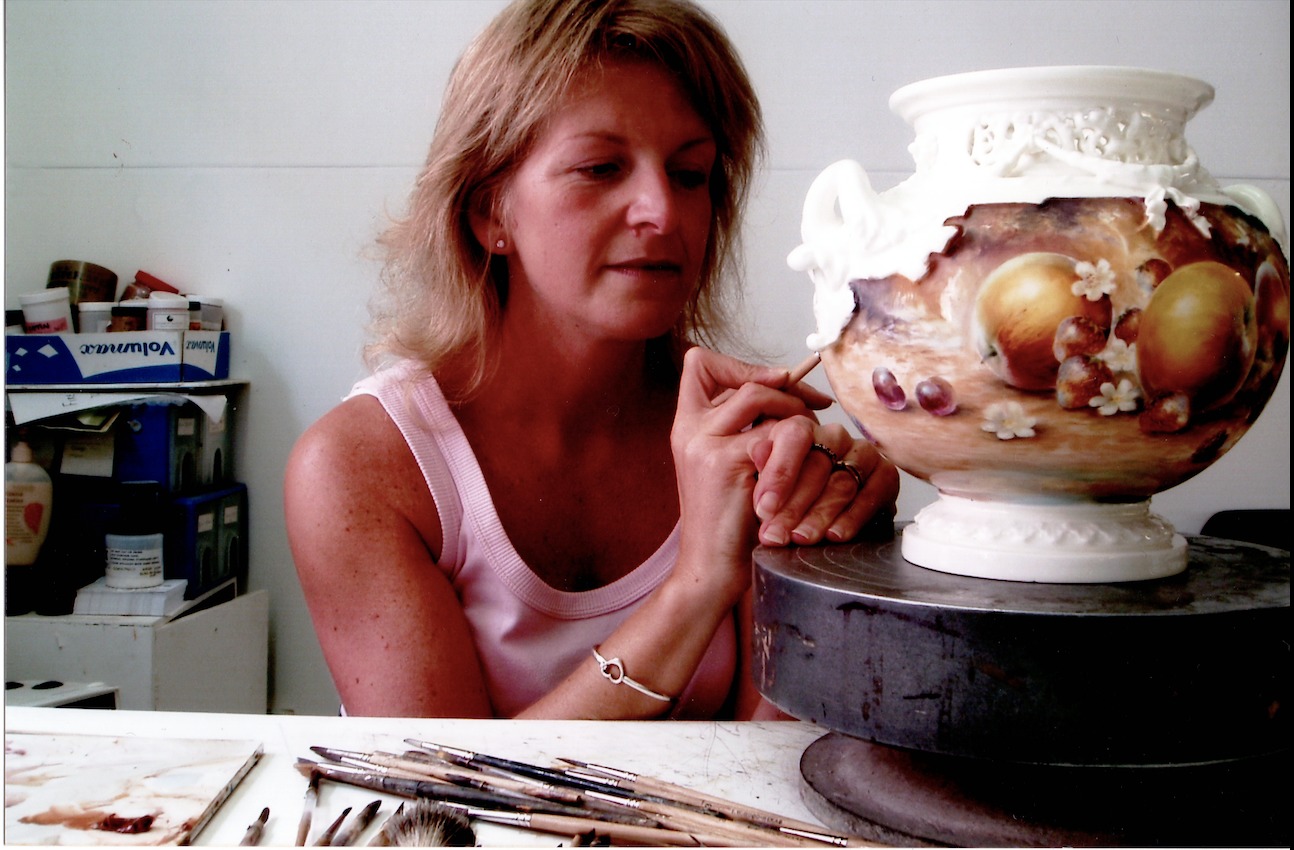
(1257, 202)
(841, 196)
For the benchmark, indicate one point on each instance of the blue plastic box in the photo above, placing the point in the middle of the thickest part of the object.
(206, 539)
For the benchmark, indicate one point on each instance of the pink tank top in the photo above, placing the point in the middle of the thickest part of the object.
(529, 636)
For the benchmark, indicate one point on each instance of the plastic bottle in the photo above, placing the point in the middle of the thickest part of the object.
(28, 501)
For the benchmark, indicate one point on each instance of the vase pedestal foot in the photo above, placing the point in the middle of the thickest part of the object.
(1076, 543)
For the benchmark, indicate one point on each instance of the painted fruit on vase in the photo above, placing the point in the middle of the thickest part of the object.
(1019, 309)
(1198, 335)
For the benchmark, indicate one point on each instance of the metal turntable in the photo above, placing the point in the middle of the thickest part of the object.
(976, 712)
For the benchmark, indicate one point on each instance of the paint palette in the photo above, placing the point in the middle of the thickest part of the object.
(108, 790)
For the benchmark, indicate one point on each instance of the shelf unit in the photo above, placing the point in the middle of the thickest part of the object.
(214, 658)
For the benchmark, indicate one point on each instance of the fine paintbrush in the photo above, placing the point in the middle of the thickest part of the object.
(500, 781)
(402, 786)
(254, 832)
(799, 373)
(616, 832)
(689, 820)
(598, 807)
(353, 830)
(325, 837)
(639, 784)
(308, 810)
(532, 771)
(605, 791)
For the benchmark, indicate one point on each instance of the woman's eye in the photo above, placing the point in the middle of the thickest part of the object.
(600, 170)
(691, 179)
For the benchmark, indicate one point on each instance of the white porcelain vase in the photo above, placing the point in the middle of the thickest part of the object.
(1060, 314)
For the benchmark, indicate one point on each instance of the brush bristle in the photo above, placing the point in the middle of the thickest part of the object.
(428, 824)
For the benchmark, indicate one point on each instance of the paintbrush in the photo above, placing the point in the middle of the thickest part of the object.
(799, 373)
(606, 791)
(401, 786)
(690, 820)
(499, 781)
(467, 758)
(647, 785)
(308, 810)
(383, 836)
(325, 838)
(426, 824)
(358, 824)
(617, 833)
(254, 832)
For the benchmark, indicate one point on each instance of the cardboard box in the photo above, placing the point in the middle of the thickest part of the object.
(131, 357)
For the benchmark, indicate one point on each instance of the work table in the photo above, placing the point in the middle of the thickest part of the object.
(755, 763)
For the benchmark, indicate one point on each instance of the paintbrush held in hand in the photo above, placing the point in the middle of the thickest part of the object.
(587, 803)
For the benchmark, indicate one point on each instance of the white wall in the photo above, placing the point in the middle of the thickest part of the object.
(249, 150)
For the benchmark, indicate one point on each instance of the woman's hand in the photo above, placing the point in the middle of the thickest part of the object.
(818, 483)
(726, 408)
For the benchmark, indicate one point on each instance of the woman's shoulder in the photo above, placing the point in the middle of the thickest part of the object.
(355, 446)
(355, 455)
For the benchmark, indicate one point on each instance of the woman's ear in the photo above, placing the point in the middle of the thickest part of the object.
(486, 220)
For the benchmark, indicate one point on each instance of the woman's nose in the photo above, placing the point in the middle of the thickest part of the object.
(652, 202)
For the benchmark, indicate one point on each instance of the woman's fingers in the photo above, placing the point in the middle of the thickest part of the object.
(873, 485)
(817, 483)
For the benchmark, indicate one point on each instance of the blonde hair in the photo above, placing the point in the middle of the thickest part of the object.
(442, 294)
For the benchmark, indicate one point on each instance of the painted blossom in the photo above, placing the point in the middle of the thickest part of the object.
(1008, 420)
(1094, 281)
(1114, 399)
(1120, 356)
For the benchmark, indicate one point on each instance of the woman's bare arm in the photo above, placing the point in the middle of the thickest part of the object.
(364, 535)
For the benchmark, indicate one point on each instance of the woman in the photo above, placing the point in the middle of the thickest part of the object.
(543, 502)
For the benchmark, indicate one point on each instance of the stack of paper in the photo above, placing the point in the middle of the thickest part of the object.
(161, 601)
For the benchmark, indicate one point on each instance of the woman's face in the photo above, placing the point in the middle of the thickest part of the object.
(608, 218)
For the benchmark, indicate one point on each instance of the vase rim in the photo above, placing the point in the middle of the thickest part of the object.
(1084, 85)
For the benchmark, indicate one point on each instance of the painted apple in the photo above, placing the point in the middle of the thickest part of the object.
(1019, 308)
(1198, 335)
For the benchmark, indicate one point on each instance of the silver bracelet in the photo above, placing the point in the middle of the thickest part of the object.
(614, 671)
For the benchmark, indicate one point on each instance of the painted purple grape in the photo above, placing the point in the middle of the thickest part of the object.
(935, 395)
(888, 389)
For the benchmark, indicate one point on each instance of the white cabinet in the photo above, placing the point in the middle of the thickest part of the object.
(213, 660)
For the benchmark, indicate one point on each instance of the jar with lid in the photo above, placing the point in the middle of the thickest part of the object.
(134, 543)
(145, 285)
(47, 312)
(168, 311)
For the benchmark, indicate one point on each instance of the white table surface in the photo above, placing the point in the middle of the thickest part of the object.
(756, 763)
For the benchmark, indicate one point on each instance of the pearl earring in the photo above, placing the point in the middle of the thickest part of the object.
(499, 244)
